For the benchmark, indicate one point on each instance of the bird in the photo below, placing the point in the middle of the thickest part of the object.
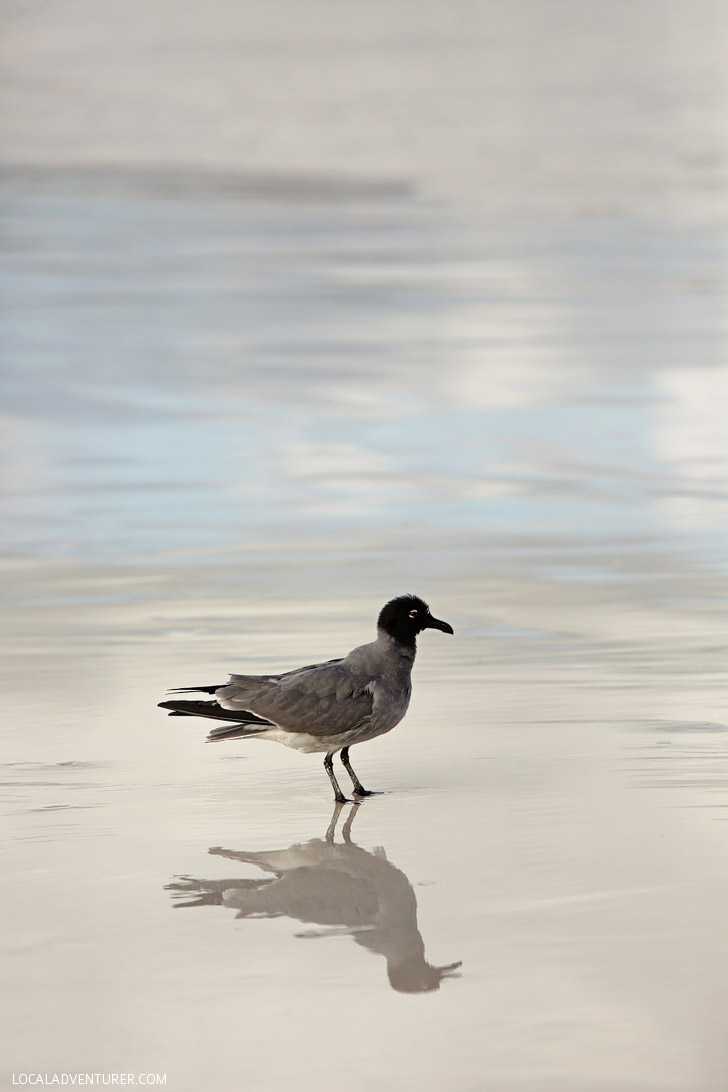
(326, 707)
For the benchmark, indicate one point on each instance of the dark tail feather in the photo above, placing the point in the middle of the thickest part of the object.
(196, 689)
(235, 731)
(181, 708)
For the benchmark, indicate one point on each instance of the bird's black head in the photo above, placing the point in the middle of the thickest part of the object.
(406, 616)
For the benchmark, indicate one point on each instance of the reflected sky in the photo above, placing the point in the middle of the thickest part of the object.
(188, 374)
(538, 105)
(338, 887)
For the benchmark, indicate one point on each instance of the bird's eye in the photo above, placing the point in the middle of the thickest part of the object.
(413, 614)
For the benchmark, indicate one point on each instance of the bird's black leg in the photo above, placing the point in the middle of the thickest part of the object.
(329, 767)
(358, 787)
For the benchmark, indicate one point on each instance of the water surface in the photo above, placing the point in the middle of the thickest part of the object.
(243, 405)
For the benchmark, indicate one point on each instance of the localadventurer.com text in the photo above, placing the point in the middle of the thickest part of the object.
(90, 1078)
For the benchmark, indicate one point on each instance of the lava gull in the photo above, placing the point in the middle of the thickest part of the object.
(325, 707)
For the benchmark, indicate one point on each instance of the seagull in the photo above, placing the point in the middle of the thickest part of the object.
(326, 707)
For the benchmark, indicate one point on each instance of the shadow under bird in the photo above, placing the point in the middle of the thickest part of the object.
(325, 707)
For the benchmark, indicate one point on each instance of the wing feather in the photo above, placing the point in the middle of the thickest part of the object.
(321, 700)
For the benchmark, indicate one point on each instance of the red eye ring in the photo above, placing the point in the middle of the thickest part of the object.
(413, 614)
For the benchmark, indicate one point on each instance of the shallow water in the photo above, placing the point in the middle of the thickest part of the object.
(240, 412)
(233, 429)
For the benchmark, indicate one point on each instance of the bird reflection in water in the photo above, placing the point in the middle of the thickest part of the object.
(338, 885)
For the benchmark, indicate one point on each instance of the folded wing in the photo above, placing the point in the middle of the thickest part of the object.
(321, 700)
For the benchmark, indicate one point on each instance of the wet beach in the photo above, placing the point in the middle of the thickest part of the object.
(244, 404)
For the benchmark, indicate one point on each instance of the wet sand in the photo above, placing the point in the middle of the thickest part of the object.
(238, 417)
(553, 803)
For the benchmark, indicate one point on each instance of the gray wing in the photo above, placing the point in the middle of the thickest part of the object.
(321, 700)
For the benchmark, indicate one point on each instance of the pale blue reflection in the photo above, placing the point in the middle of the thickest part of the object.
(186, 374)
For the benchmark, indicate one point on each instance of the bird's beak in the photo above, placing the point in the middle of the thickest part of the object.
(435, 623)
